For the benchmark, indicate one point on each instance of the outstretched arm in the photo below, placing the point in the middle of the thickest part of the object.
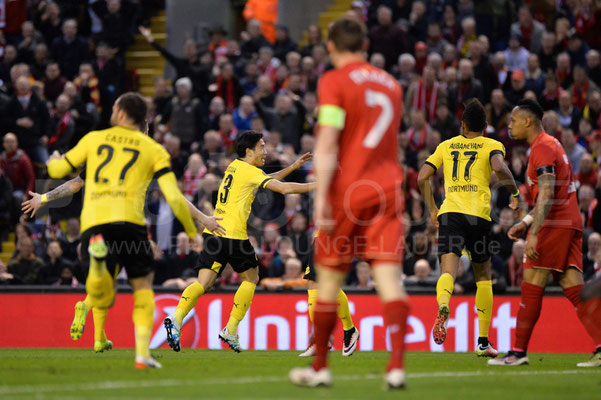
(423, 180)
(37, 200)
(290, 187)
(506, 178)
(296, 165)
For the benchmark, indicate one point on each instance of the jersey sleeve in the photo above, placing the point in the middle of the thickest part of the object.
(435, 160)
(497, 147)
(257, 178)
(162, 162)
(544, 159)
(331, 112)
(71, 160)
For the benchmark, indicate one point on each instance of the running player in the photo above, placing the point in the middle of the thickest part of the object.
(358, 202)
(351, 334)
(120, 162)
(235, 197)
(554, 242)
(464, 217)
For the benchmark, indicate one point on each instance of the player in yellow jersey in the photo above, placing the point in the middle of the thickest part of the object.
(464, 217)
(120, 163)
(235, 198)
(351, 333)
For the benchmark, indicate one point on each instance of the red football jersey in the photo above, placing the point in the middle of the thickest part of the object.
(548, 156)
(368, 146)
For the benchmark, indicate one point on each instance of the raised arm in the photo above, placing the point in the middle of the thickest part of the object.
(544, 202)
(290, 187)
(423, 180)
(506, 178)
(290, 169)
(37, 200)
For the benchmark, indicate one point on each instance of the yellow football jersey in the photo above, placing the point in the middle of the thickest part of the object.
(120, 163)
(467, 172)
(236, 195)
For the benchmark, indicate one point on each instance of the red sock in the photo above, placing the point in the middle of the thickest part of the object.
(324, 318)
(589, 314)
(532, 298)
(395, 319)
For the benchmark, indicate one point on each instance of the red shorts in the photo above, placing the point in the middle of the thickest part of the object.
(373, 234)
(558, 249)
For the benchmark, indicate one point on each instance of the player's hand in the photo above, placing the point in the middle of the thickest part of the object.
(434, 217)
(530, 250)
(147, 33)
(323, 216)
(213, 226)
(515, 203)
(55, 156)
(303, 159)
(517, 231)
(32, 205)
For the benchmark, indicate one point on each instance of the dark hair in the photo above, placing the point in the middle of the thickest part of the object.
(474, 116)
(532, 107)
(247, 140)
(347, 35)
(134, 106)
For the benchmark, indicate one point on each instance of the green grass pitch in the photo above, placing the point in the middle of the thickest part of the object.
(205, 374)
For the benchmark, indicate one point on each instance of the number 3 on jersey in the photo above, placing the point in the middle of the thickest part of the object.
(377, 131)
(226, 189)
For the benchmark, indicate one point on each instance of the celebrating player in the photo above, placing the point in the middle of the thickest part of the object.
(235, 198)
(351, 334)
(358, 205)
(120, 162)
(554, 242)
(464, 217)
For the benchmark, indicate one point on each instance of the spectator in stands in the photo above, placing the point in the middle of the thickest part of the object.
(244, 113)
(406, 74)
(435, 41)
(17, 168)
(186, 117)
(26, 266)
(248, 82)
(483, 69)
(40, 61)
(6, 278)
(70, 50)
(179, 158)
(466, 88)
(499, 233)
(364, 279)
(31, 38)
(71, 240)
(592, 111)
(271, 234)
(497, 111)
(581, 87)
(315, 39)
(445, 123)
(27, 116)
(588, 203)
(535, 79)
(53, 269)
(189, 66)
(252, 39)
(7, 206)
(419, 248)
(228, 132)
(377, 60)
(301, 239)
(162, 97)
(284, 251)
(216, 108)
(589, 258)
(193, 175)
(292, 277)
(62, 125)
(550, 96)
(515, 264)
(109, 73)
(516, 89)
(426, 94)
(468, 27)
(48, 21)
(563, 70)
(286, 117)
(87, 84)
(593, 66)
(573, 149)
(54, 82)
(500, 64)
(418, 22)
(387, 38)
(228, 87)
(422, 276)
(178, 266)
(212, 148)
(516, 54)
(548, 52)
(118, 18)
(417, 133)
(567, 113)
(283, 44)
(529, 29)
(587, 174)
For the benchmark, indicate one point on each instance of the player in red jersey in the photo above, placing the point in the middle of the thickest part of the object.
(554, 242)
(358, 202)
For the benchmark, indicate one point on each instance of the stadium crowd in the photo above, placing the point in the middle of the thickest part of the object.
(62, 65)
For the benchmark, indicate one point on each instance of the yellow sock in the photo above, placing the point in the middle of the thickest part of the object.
(484, 306)
(188, 301)
(97, 268)
(99, 322)
(343, 311)
(88, 302)
(444, 288)
(242, 299)
(143, 317)
(99, 285)
(311, 301)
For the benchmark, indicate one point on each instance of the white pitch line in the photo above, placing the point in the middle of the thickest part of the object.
(25, 389)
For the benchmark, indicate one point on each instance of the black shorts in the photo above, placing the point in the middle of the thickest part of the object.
(219, 251)
(458, 231)
(310, 271)
(128, 247)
